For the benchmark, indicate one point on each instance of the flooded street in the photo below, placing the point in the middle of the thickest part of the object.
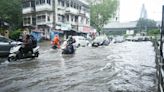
(121, 67)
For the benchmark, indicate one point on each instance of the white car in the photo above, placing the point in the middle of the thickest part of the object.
(118, 39)
(80, 41)
(100, 40)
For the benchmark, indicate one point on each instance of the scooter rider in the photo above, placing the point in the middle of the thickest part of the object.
(28, 45)
(56, 42)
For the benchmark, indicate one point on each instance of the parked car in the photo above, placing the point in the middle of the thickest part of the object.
(5, 46)
(141, 38)
(80, 41)
(129, 38)
(100, 40)
(119, 39)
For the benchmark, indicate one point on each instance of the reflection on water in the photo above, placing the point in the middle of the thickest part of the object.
(122, 67)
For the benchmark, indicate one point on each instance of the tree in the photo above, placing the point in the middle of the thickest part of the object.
(143, 24)
(101, 12)
(11, 12)
(153, 32)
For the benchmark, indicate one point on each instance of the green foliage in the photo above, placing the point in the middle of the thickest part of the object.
(10, 11)
(153, 32)
(15, 34)
(1, 31)
(146, 23)
(115, 33)
(102, 12)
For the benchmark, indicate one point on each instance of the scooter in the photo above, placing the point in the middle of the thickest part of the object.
(16, 54)
(54, 46)
(68, 49)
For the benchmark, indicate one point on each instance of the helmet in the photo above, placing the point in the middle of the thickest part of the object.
(70, 37)
(27, 36)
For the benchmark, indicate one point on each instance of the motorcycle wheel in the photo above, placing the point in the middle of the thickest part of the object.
(10, 59)
(37, 54)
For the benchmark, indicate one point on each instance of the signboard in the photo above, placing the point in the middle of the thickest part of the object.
(65, 26)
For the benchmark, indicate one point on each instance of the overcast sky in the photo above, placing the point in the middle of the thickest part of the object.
(130, 9)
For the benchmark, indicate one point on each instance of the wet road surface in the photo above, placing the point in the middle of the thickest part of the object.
(121, 67)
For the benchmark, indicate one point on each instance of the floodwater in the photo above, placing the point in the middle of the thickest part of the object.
(121, 67)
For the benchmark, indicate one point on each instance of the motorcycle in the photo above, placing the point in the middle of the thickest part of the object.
(16, 53)
(68, 48)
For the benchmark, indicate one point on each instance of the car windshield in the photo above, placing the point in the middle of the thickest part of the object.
(3, 39)
(100, 38)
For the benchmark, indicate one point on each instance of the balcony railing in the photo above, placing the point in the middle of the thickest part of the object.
(43, 7)
(27, 10)
(72, 11)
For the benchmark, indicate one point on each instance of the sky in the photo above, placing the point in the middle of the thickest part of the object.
(130, 9)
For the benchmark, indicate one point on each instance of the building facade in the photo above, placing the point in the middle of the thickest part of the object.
(46, 16)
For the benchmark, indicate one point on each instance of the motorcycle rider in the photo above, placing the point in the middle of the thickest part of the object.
(70, 40)
(56, 42)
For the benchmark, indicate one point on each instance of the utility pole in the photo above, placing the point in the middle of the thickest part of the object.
(162, 33)
(54, 14)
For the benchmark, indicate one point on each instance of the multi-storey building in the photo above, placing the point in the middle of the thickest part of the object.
(56, 15)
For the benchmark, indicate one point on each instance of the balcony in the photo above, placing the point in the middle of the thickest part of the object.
(43, 7)
(88, 15)
(81, 12)
(41, 22)
(72, 11)
(27, 10)
(61, 12)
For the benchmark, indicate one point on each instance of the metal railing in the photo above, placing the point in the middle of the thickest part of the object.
(159, 57)
(159, 66)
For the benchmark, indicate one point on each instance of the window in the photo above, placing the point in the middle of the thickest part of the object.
(37, 2)
(49, 2)
(59, 1)
(2, 39)
(67, 17)
(87, 21)
(82, 20)
(27, 20)
(41, 18)
(80, 7)
(71, 4)
(32, 3)
(77, 6)
(67, 4)
(72, 18)
(48, 18)
(59, 18)
(62, 18)
(26, 4)
(63, 3)
(74, 5)
(42, 1)
(76, 18)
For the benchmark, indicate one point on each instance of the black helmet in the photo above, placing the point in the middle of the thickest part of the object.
(27, 36)
(70, 37)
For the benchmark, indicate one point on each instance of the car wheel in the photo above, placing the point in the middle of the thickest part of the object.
(78, 45)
